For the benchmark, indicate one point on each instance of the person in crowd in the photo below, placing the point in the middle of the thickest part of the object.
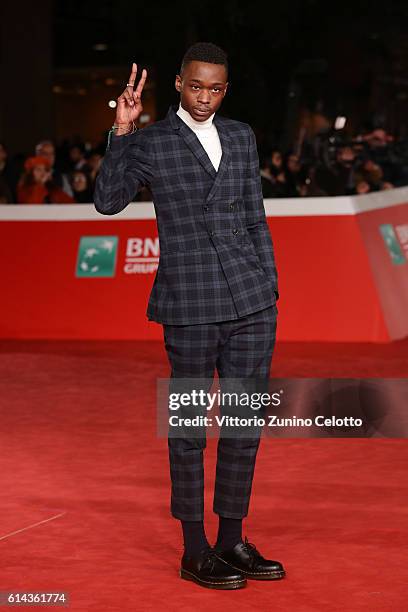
(5, 193)
(94, 163)
(382, 150)
(37, 186)
(81, 187)
(362, 187)
(377, 138)
(46, 148)
(338, 178)
(278, 174)
(144, 195)
(370, 177)
(267, 179)
(273, 176)
(276, 162)
(8, 177)
(77, 159)
(293, 173)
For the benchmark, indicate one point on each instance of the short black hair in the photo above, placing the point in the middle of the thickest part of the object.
(205, 52)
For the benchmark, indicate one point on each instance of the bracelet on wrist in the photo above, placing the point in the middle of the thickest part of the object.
(117, 127)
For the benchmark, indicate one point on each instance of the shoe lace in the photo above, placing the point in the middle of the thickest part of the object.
(210, 559)
(251, 549)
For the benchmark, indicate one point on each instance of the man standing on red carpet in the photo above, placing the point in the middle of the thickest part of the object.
(215, 289)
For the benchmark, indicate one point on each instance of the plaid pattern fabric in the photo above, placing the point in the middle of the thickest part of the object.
(216, 252)
(238, 349)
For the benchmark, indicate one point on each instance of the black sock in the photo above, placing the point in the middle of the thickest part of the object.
(194, 537)
(229, 533)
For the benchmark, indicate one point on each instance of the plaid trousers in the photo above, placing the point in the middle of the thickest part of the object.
(239, 348)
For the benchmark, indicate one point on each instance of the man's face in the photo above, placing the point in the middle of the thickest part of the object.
(47, 150)
(79, 181)
(41, 173)
(293, 163)
(346, 156)
(276, 159)
(95, 161)
(75, 154)
(202, 87)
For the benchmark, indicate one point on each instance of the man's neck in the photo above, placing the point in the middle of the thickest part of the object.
(191, 122)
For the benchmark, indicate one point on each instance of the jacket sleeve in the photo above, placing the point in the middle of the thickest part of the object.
(126, 167)
(256, 222)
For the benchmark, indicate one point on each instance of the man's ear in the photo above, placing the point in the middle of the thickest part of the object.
(177, 83)
(225, 89)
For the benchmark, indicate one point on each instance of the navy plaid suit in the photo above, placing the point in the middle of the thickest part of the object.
(215, 289)
(216, 253)
(239, 349)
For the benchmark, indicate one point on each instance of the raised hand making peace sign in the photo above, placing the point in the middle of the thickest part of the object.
(129, 104)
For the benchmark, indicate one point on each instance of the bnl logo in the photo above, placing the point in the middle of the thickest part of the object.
(97, 256)
(392, 243)
(142, 255)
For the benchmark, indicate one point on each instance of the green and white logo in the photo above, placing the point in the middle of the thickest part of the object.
(392, 244)
(97, 256)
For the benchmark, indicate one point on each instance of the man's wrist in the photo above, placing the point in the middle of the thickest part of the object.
(120, 129)
(117, 132)
(121, 132)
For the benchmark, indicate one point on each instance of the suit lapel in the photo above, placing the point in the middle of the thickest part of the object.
(225, 157)
(198, 150)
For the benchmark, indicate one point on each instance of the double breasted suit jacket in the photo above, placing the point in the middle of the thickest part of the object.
(216, 253)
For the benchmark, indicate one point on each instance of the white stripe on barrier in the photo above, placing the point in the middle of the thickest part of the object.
(279, 207)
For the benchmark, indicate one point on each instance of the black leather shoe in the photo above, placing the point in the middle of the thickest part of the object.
(246, 559)
(208, 571)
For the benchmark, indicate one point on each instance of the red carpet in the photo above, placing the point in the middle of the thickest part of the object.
(85, 488)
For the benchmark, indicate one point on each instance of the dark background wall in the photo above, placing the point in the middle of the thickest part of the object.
(26, 73)
(287, 59)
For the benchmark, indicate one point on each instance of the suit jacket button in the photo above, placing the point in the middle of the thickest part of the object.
(212, 233)
(235, 232)
(205, 208)
(232, 206)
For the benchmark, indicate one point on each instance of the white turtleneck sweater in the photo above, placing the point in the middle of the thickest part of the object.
(206, 133)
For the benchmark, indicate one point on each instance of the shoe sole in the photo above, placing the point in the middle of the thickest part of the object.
(230, 585)
(272, 576)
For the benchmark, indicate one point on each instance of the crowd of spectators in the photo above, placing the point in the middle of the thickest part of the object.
(331, 165)
(49, 176)
(327, 165)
